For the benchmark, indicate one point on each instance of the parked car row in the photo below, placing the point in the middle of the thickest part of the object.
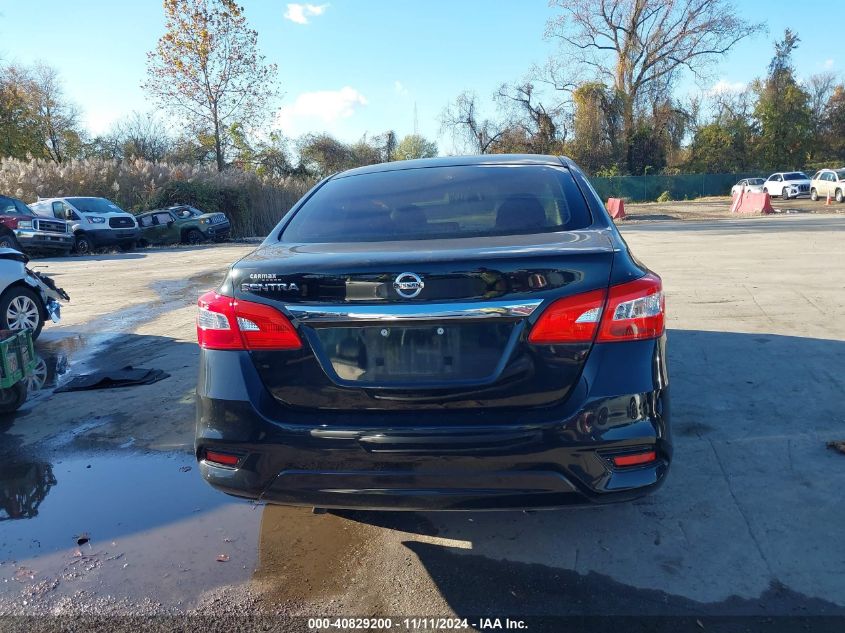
(82, 224)
(793, 184)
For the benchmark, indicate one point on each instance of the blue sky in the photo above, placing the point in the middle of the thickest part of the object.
(351, 67)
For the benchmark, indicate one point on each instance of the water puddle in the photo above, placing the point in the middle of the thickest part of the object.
(137, 524)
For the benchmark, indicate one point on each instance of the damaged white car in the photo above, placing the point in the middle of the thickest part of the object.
(28, 298)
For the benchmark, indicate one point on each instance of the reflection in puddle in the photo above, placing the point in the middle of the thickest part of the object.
(127, 527)
(23, 487)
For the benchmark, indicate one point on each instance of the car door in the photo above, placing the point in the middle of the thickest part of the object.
(166, 229)
(830, 184)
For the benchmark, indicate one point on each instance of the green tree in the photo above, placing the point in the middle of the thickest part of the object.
(783, 112)
(721, 147)
(207, 68)
(415, 146)
(834, 124)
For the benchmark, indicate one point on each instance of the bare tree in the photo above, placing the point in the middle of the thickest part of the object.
(57, 118)
(634, 44)
(207, 68)
(475, 134)
(142, 136)
(543, 126)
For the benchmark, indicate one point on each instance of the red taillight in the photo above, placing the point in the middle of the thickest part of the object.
(629, 311)
(225, 459)
(634, 459)
(635, 310)
(569, 320)
(227, 323)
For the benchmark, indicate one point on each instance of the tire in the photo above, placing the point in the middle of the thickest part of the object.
(83, 245)
(12, 398)
(839, 196)
(8, 240)
(814, 195)
(20, 308)
(128, 247)
(785, 193)
(193, 237)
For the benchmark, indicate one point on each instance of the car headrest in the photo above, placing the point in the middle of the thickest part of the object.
(520, 213)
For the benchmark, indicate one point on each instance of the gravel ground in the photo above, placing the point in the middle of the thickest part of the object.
(748, 523)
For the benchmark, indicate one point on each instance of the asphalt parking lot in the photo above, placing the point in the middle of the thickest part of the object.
(750, 521)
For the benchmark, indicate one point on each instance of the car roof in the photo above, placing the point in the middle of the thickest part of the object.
(457, 161)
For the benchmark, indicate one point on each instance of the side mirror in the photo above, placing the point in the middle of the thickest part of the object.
(68, 214)
(171, 222)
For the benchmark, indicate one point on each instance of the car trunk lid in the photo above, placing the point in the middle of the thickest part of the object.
(427, 324)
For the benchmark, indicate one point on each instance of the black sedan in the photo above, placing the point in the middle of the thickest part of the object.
(451, 333)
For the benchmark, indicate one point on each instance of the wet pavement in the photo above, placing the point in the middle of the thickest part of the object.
(749, 522)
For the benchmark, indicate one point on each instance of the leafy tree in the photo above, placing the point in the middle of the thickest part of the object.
(595, 122)
(36, 119)
(721, 147)
(324, 155)
(638, 46)
(834, 124)
(783, 111)
(57, 118)
(208, 69)
(415, 146)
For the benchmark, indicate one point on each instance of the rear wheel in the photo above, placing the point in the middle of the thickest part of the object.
(12, 398)
(20, 309)
(83, 245)
(839, 195)
(814, 195)
(8, 240)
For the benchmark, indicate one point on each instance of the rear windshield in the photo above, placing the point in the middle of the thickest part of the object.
(441, 202)
(95, 205)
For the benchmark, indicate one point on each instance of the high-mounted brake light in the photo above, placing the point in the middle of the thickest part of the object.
(227, 323)
(630, 311)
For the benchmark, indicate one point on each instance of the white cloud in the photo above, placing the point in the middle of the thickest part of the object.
(320, 108)
(724, 86)
(828, 63)
(300, 13)
(400, 89)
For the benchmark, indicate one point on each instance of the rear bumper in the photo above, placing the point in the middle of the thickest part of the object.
(43, 240)
(425, 461)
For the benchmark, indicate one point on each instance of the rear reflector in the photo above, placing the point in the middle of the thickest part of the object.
(227, 323)
(634, 459)
(627, 312)
(224, 459)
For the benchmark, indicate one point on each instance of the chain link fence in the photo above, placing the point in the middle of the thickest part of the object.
(680, 187)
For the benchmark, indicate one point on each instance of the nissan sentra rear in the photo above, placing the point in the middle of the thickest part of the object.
(453, 333)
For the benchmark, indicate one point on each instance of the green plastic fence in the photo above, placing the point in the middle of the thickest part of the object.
(680, 187)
